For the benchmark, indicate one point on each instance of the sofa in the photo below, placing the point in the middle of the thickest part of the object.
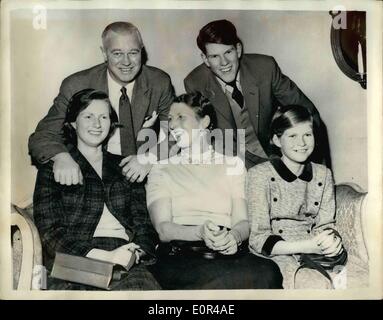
(350, 201)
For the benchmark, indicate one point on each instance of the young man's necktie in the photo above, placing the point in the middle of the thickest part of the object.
(236, 95)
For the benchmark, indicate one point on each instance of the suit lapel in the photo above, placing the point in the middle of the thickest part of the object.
(140, 100)
(100, 80)
(251, 94)
(218, 98)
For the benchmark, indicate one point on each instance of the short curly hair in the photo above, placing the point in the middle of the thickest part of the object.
(200, 105)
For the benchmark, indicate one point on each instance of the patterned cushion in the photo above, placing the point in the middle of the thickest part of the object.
(348, 221)
(349, 200)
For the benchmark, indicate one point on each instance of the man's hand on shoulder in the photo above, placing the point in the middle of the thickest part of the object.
(66, 171)
(135, 170)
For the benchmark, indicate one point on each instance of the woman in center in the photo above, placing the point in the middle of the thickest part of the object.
(196, 201)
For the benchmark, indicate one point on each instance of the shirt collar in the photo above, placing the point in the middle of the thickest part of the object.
(115, 88)
(287, 175)
(226, 87)
(197, 158)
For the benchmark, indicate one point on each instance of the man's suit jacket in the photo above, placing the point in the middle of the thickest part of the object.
(264, 87)
(152, 91)
(67, 216)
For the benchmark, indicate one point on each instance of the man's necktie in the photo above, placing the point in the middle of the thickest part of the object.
(127, 136)
(236, 95)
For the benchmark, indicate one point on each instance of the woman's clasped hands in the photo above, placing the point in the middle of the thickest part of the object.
(218, 238)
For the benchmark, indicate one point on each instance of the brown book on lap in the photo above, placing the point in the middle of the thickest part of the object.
(84, 270)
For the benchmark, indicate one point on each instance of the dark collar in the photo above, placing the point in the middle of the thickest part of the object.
(287, 175)
(110, 167)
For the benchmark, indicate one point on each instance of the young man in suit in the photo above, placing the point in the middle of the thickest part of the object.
(245, 90)
(136, 91)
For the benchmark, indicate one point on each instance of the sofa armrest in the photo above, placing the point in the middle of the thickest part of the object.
(349, 205)
(30, 258)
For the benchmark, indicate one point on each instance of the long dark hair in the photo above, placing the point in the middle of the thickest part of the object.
(79, 102)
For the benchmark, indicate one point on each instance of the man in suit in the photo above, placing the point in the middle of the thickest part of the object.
(245, 90)
(137, 92)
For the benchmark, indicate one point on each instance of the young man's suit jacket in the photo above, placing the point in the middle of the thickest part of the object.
(264, 87)
(152, 91)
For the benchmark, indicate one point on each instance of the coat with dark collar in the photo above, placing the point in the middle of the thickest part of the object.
(264, 87)
(67, 216)
(152, 91)
(283, 206)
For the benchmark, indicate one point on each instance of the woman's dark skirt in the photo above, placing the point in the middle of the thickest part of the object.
(193, 266)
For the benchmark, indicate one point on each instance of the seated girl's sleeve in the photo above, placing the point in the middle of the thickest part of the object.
(262, 239)
(50, 216)
(156, 187)
(326, 215)
(145, 235)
